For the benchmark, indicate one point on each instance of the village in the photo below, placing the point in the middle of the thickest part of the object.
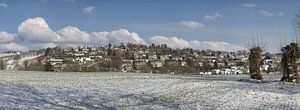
(145, 59)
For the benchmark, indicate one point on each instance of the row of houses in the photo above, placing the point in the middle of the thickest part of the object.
(134, 57)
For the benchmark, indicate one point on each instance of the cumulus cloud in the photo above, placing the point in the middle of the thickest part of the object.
(123, 35)
(213, 17)
(100, 38)
(12, 47)
(172, 42)
(88, 10)
(6, 37)
(37, 34)
(175, 42)
(192, 24)
(248, 5)
(114, 37)
(3, 5)
(71, 34)
(37, 29)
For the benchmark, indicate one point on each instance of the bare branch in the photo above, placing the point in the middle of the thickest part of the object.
(296, 20)
(257, 41)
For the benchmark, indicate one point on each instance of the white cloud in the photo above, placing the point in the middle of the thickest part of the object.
(12, 47)
(172, 42)
(100, 38)
(175, 42)
(213, 17)
(88, 10)
(265, 13)
(3, 5)
(117, 36)
(103, 38)
(270, 14)
(43, 45)
(38, 34)
(6, 37)
(247, 5)
(71, 34)
(222, 46)
(280, 13)
(192, 24)
(37, 30)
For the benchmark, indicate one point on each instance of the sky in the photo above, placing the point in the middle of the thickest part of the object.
(225, 25)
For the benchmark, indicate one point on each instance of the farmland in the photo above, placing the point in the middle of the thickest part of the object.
(47, 90)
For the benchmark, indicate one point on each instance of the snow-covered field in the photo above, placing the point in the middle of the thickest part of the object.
(43, 90)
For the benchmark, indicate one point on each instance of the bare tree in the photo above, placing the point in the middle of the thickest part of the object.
(257, 41)
(256, 47)
(291, 55)
(296, 20)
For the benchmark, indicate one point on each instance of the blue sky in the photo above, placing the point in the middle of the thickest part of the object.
(180, 21)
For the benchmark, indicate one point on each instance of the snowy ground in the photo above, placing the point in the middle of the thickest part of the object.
(42, 90)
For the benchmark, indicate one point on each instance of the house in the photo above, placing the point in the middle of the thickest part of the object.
(120, 52)
(156, 63)
(127, 65)
(184, 63)
(200, 64)
(171, 63)
(267, 64)
(54, 61)
(208, 73)
(152, 56)
(164, 57)
(216, 71)
(221, 64)
(84, 59)
(139, 55)
(57, 67)
(140, 63)
(235, 70)
(79, 54)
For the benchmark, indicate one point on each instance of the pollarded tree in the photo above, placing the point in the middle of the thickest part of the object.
(255, 46)
(290, 57)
